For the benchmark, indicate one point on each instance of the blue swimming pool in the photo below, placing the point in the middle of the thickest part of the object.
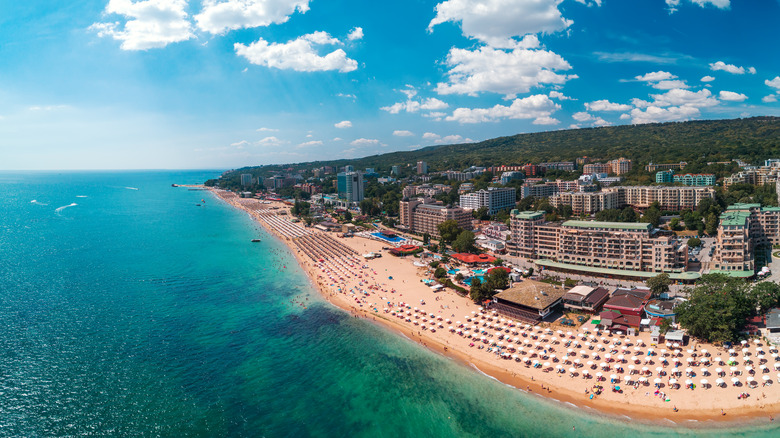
(453, 271)
(480, 271)
(395, 239)
(467, 280)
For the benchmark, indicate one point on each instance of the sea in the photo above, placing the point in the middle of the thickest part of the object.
(132, 308)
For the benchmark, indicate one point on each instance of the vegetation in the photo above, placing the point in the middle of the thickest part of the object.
(449, 231)
(300, 208)
(465, 242)
(480, 292)
(694, 242)
(659, 284)
(440, 272)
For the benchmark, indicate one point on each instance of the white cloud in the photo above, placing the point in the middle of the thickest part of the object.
(656, 76)
(605, 105)
(451, 138)
(364, 142)
(560, 96)
(731, 96)
(582, 116)
(668, 85)
(677, 97)
(412, 105)
(270, 141)
(538, 107)
(150, 24)
(398, 133)
(264, 129)
(769, 99)
(496, 21)
(590, 3)
(731, 68)
(343, 124)
(337, 139)
(348, 96)
(310, 143)
(499, 71)
(431, 136)
(654, 114)
(720, 4)
(707, 79)
(298, 54)
(355, 34)
(218, 17)
(774, 83)
(602, 122)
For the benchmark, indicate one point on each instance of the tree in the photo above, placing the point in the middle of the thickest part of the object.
(716, 308)
(459, 277)
(465, 242)
(481, 214)
(674, 224)
(480, 292)
(440, 272)
(694, 242)
(628, 215)
(659, 284)
(449, 230)
(300, 208)
(666, 325)
(498, 262)
(764, 296)
(711, 227)
(434, 264)
(497, 279)
(426, 238)
(652, 215)
(569, 283)
(369, 207)
(347, 216)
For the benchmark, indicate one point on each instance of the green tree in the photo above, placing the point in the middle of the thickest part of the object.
(711, 227)
(300, 208)
(694, 242)
(674, 224)
(765, 295)
(465, 242)
(498, 262)
(652, 215)
(481, 214)
(569, 283)
(659, 284)
(347, 216)
(628, 215)
(434, 264)
(426, 238)
(716, 308)
(459, 277)
(449, 230)
(497, 279)
(369, 207)
(440, 272)
(666, 325)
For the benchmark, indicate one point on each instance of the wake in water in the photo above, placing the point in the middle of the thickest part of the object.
(58, 210)
(131, 188)
(35, 201)
(81, 196)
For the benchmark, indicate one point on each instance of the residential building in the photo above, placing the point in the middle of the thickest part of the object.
(511, 176)
(596, 168)
(620, 166)
(664, 176)
(757, 176)
(395, 170)
(567, 186)
(610, 181)
(424, 216)
(465, 188)
(608, 248)
(670, 198)
(500, 169)
(458, 176)
(494, 199)
(422, 167)
(743, 228)
(350, 186)
(668, 166)
(582, 161)
(539, 190)
(531, 170)
(385, 180)
(246, 179)
(586, 202)
(349, 168)
(496, 230)
(694, 179)
(567, 166)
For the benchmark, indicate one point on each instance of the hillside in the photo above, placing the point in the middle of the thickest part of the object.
(751, 140)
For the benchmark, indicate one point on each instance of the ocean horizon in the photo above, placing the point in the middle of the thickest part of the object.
(132, 308)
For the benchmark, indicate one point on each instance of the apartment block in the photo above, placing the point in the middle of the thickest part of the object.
(596, 168)
(743, 228)
(620, 166)
(424, 216)
(494, 199)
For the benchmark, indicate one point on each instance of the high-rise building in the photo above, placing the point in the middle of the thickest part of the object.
(246, 179)
(349, 168)
(494, 199)
(350, 186)
(592, 168)
(424, 216)
(620, 166)
(664, 176)
(695, 179)
(395, 170)
(422, 167)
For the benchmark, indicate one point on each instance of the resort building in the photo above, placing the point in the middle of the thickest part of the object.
(424, 216)
(528, 300)
(465, 188)
(350, 186)
(459, 176)
(395, 170)
(494, 199)
(422, 167)
(629, 301)
(531, 170)
(664, 176)
(538, 190)
(695, 179)
(585, 299)
(759, 176)
(627, 250)
(596, 168)
(567, 166)
(246, 179)
(586, 202)
(744, 228)
(620, 166)
(511, 176)
(669, 166)
(670, 198)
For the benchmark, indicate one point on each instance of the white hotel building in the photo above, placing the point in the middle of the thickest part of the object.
(494, 198)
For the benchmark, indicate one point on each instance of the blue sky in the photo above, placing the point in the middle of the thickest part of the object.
(123, 84)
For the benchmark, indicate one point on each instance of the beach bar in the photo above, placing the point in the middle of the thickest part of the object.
(529, 300)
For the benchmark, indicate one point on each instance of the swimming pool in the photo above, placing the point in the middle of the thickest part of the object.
(480, 271)
(395, 239)
(453, 271)
(467, 280)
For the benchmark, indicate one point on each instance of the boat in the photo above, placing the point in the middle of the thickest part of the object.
(255, 240)
(174, 185)
(197, 205)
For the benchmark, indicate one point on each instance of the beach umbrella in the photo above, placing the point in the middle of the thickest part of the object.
(613, 376)
(630, 369)
(547, 364)
(704, 382)
(659, 369)
(720, 382)
(688, 382)
(734, 380)
(743, 342)
(689, 370)
(705, 371)
(589, 363)
(672, 382)
(627, 378)
(766, 378)
(645, 369)
(734, 369)
(657, 381)
(718, 371)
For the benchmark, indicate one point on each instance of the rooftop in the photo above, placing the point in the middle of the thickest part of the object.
(737, 274)
(533, 294)
(742, 206)
(617, 272)
(529, 215)
(609, 225)
(734, 218)
(773, 318)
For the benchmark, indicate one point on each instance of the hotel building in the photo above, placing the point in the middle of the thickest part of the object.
(494, 198)
(422, 216)
(670, 198)
(742, 229)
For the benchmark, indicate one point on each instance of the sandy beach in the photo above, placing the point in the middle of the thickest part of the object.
(657, 382)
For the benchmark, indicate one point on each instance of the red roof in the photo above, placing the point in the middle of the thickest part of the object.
(499, 267)
(405, 248)
(472, 258)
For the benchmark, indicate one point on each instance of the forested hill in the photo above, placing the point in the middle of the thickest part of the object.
(751, 140)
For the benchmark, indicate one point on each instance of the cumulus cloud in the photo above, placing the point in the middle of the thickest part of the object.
(560, 96)
(774, 83)
(264, 129)
(731, 68)
(601, 122)
(149, 24)
(582, 116)
(605, 105)
(355, 34)
(654, 114)
(668, 85)
(720, 4)
(310, 143)
(590, 3)
(270, 141)
(218, 17)
(731, 96)
(656, 76)
(412, 105)
(707, 78)
(676, 97)
(343, 124)
(769, 99)
(487, 69)
(430, 136)
(364, 142)
(496, 21)
(538, 107)
(674, 105)
(298, 54)
(400, 133)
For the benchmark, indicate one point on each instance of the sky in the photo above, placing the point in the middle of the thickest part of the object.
(220, 84)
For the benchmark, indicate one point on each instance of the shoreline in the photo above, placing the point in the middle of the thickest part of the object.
(555, 390)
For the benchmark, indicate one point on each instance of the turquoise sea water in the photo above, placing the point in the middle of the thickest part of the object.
(137, 313)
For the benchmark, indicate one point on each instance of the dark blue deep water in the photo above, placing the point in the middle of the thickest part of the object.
(134, 312)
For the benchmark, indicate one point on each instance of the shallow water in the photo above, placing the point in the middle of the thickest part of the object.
(134, 312)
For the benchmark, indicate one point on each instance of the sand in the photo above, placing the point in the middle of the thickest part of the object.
(388, 289)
